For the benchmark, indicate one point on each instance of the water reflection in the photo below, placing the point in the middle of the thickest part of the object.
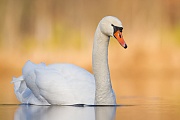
(31, 112)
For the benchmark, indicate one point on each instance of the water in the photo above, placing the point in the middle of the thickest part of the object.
(145, 109)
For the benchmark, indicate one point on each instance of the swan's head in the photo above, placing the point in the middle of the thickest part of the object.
(112, 26)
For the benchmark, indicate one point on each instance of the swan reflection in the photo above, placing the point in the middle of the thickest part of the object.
(31, 112)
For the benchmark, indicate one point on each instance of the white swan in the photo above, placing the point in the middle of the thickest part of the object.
(67, 84)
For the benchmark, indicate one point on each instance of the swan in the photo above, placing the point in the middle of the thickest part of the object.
(68, 84)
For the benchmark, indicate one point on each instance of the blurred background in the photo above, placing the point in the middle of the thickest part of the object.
(54, 31)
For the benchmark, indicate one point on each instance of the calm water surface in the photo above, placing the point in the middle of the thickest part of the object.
(154, 109)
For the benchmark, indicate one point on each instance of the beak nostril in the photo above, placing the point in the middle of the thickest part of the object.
(120, 34)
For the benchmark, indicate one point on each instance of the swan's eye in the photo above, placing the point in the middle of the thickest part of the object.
(116, 28)
(120, 29)
(112, 25)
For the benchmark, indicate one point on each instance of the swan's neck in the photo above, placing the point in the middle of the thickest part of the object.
(104, 94)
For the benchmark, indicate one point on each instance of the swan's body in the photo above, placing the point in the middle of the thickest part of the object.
(67, 84)
(56, 84)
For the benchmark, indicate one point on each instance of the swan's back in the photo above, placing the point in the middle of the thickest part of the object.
(66, 84)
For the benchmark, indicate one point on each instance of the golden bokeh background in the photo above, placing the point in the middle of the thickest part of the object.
(55, 31)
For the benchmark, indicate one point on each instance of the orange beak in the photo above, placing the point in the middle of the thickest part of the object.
(118, 35)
